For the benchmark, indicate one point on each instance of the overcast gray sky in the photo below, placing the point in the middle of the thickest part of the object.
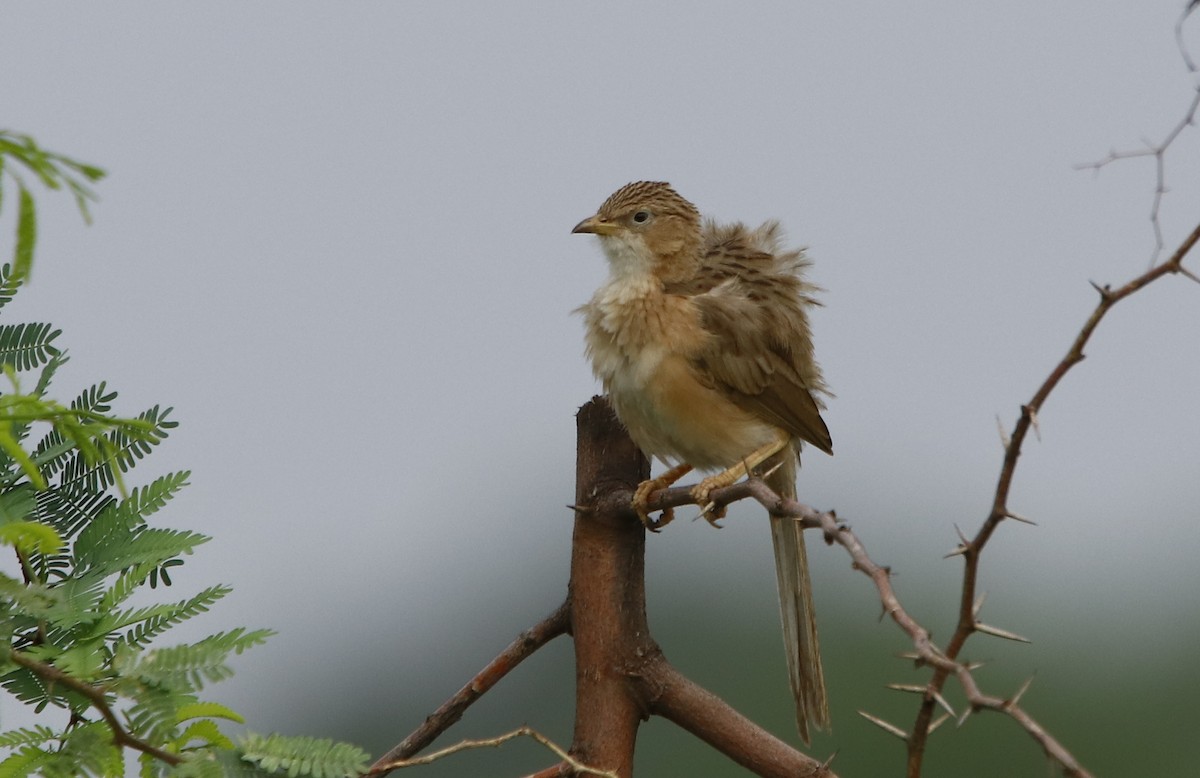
(336, 238)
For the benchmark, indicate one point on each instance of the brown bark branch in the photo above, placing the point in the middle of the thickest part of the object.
(99, 700)
(621, 675)
(452, 710)
(708, 717)
(607, 591)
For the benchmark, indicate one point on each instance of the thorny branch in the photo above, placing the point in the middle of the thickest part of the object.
(926, 651)
(971, 549)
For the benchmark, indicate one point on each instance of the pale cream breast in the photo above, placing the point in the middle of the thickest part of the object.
(640, 341)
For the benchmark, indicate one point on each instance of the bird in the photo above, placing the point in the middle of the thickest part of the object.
(701, 339)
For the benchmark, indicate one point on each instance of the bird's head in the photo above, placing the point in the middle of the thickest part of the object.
(647, 228)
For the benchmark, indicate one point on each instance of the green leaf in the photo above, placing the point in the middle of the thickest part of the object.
(304, 756)
(30, 537)
(26, 233)
(153, 620)
(35, 735)
(211, 710)
(26, 346)
(16, 504)
(27, 761)
(188, 667)
(9, 281)
(205, 730)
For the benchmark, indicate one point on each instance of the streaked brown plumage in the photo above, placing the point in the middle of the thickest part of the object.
(701, 339)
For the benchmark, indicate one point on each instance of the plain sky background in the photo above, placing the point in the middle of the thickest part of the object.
(336, 238)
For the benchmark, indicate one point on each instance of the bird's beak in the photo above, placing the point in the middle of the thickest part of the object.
(596, 225)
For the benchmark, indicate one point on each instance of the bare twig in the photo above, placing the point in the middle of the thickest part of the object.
(1158, 151)
(1183, 49)
(494, 742)
(99, 700)
(452, 710)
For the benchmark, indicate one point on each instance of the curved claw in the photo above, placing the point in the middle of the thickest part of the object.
(641, 496)
(709, 511)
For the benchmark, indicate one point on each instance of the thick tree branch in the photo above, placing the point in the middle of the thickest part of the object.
(621, 675)
(708, 717)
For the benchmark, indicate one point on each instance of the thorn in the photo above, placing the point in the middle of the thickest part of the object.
(961, 537)
(827, 762)
(963, 718)
(1000, 633)
(1018, 517)
(945, 705)
(973, 666)
(924, 691)
(978, 606)
(885, 726)
(939, 722)
(1016, 698)
(1004, 439)
(1105, 291)
(1189, 274)
(956, 552)
(1033, 419)
(705, 513)
(771, 472)
(913, 655)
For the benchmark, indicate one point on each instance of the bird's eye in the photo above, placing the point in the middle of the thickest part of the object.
(641, 217)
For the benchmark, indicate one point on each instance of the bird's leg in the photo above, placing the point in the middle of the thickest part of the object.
(648, 487)
(700, 491)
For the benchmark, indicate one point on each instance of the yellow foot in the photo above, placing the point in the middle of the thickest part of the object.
(701, 491)
(709, 510)
(646, 488)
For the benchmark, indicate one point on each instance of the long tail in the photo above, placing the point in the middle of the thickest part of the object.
(796, 607)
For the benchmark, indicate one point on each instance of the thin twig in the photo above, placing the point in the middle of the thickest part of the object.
(99, 701)
(529, 641)
(1158, 151)
(494, 742)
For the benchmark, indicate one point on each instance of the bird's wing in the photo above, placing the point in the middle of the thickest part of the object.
(751, 300)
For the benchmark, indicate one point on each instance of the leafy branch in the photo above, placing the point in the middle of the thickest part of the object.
(84, 547)
(54, 171)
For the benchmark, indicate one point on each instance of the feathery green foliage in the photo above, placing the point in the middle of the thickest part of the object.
(294, 756)
(84, 549)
